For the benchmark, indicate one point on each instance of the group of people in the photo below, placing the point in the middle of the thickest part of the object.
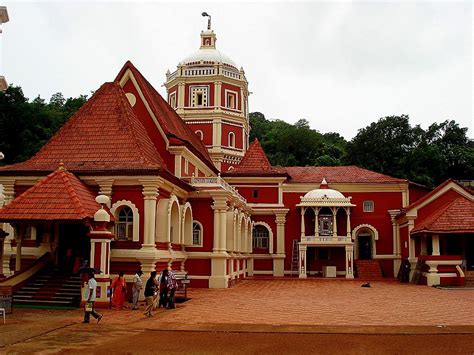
(162, 290)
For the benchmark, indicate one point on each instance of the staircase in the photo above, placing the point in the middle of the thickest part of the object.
(368, 270)
(50, 288)
(469, 279)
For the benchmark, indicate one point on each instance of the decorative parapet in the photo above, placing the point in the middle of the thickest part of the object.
(213, 181)
(326, 239)
(326, 201)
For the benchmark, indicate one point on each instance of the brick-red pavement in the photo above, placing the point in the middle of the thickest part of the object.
(327, 302)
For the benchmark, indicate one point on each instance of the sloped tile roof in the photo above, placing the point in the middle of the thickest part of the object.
(455, 217)
(172, 124)
(60, 196)
(104, 135)
(338, 174)
(255, 163)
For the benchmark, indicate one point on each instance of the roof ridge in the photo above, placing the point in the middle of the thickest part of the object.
(64, 175)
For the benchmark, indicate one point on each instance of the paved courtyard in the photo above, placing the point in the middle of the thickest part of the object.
(283, 306)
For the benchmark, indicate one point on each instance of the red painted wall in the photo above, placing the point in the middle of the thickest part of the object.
(265, 194)
(150, 126)
(263, 264)
(206, 131)
(417, 192)
(203, 213)
(226, 129)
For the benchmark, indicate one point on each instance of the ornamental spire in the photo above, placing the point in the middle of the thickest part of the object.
(205, 14)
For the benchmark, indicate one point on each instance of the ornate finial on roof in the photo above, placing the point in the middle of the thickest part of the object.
(61, 165)
(205, 14)
(324, 184)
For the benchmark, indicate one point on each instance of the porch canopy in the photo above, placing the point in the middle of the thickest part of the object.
(325, 203)
(58, 198)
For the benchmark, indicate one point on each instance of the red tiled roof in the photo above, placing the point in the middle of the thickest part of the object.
(455, 217)
(60, 196)
(171, 123)
(338, 174)
(255, 162)
(104, 135)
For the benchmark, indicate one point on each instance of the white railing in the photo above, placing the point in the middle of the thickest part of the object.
(325, 239)
(216, 180)
(200, 71)
(171, 76)
(231, 74)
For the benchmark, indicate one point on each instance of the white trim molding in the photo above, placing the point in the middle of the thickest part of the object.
(136, 216)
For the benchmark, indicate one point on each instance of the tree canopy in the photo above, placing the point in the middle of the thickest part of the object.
(389, 146)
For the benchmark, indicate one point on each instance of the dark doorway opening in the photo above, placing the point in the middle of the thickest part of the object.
(365, 247)
(74, 246)
(469, 251)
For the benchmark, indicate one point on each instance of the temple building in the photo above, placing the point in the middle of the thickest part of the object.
(134, 181)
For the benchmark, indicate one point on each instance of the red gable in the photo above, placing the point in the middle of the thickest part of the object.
(60, 196)
(455, 217)
(255, 163)
(175, 129)
(103, 136)
(338, 174)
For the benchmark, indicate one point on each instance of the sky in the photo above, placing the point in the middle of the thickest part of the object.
(339, 65)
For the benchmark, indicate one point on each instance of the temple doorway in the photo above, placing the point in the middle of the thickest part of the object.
(364, 244)
(73, 246)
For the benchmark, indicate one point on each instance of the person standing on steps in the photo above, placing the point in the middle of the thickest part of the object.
(90, 295)
(137, 287)
(150, 289)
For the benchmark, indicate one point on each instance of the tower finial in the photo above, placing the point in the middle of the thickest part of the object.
(205, 14)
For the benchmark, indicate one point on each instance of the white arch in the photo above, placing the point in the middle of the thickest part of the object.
(231, 140)
(374, 231)
(174, 225)
(374, 236)
(270, 234)
(187, 224)
(136, 216)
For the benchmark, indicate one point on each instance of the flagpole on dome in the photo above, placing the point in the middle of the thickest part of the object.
(205, 14)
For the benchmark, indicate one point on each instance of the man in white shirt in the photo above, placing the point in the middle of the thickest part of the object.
(137, 287)
(90, 295)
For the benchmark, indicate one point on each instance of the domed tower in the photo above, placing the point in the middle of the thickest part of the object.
(210, 93)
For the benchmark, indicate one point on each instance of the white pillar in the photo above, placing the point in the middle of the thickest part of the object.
(19, 239)
(303, 233)
(348, 223)
(302, 261)
(217, 93)
(150, 194)
(2, 240)
(219, 256)
(349, 261)
(181, 94)
(279, 258)
(435, 242)
(334, 222)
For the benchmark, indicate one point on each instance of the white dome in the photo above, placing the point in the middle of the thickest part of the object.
(209, 54)
(324, 193)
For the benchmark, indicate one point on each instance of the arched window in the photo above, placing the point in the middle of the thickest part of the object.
(197, 234)
(231, 139)
(199, 134)
(124, 224)
(260, 236)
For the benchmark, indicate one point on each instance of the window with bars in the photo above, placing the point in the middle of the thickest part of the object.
(124, 224)
(260, 237)
(368, 206)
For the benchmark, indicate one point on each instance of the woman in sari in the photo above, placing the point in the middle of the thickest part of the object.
(119, 290)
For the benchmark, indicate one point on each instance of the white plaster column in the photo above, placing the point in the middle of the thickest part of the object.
(302, 261)
(435, 242)
(217, 94)
(334, 222)
(349, 261)
(348, 223)
(181, 95)
(219, 276)
(19, 240)
(303, 232)
(279, 257)
(150, 194)
(411, 248)
(8, 195)
(396, 242)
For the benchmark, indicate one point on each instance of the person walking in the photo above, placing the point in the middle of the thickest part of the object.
(119, 289)
(90, 295)
(150, 289)
(163, 289)
(171, 285)
(136, 288)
